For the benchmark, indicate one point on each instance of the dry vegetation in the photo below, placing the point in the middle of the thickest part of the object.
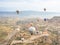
(53, 30)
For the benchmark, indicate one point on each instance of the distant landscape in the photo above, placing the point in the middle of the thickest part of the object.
(8, 24)
(29, 14)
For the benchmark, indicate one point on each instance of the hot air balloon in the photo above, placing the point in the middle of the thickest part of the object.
(45, 19)
(44, 9)
(17, 11)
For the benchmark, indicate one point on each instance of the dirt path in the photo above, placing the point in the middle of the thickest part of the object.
(10, 37)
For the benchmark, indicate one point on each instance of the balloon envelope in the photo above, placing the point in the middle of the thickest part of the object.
(44, 9)
(17, 11)
(45, 19)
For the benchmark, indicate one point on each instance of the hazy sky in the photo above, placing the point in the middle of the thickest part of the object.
(35, 5)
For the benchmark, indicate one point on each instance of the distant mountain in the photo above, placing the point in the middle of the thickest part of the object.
(28, 14)
(55, 19)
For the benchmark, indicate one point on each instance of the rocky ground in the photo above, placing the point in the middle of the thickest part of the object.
(52, 26)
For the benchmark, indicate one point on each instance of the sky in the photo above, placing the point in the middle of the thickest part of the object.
(34, 5)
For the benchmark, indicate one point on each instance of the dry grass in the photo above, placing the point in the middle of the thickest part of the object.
(5, 30)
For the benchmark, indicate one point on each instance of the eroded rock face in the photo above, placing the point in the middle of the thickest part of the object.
(25, 34)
